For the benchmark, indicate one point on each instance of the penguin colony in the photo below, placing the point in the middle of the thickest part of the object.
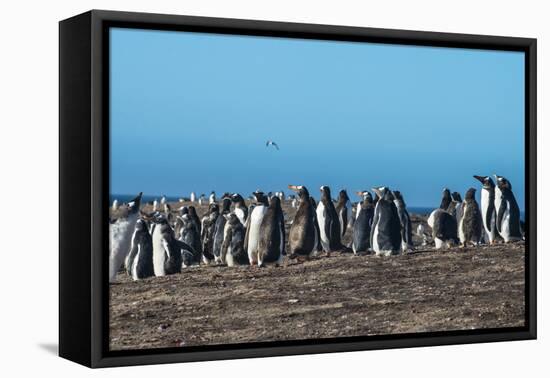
(232, 234)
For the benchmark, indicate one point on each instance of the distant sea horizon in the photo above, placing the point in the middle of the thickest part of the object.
(122, 198)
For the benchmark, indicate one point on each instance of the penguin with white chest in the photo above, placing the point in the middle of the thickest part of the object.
(508, 220)
(470, 225)
(219, 228)
(240, 210)
(405, 220)
(208, 226)
(303, 236)
(190, 236)
(233, 252)
(318, 246)
(444, 225)
(120, 236)
(363, 224)
(271, 246)
(329, 222)
(488, 210)
(253, 233)
(386, 228)
(343, 209)
(166, 254)
(139, 263)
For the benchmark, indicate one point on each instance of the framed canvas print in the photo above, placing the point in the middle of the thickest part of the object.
(234, 188)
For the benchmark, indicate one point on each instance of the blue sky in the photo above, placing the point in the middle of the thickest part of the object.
(192, 112)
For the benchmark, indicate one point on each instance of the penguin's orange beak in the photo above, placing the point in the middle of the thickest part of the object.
(293, 187)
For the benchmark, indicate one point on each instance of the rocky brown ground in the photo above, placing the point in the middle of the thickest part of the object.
(340, 295)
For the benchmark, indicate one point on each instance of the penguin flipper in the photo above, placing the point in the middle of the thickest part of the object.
(226, 241)
(500, 214)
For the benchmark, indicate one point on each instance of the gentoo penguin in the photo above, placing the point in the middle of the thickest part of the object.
(456, 206)
(294, 203)
(167, 254)
(155, 205)
(195, 218)
(120, 236)
(202, 199)
(212, 197)
(303, 237)
(192, 197)
(163, 200)
(386, 228)
(507, 211)
(281, 195)
(207, 232)
(253, 232)
(115, 205)
(219, 230)
(190, 235)
(363, 196)
(139, 263)
(421, 232)
(488, 210)
(240, 210)
(329, 224)
(167, 210)
(469, 227)
(443, 224)
(405, 220)
(271, 246)
(343, 209)
(446, 199)
(363, 224)
(233, 252)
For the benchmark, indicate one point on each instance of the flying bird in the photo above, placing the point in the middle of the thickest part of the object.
(271, 143)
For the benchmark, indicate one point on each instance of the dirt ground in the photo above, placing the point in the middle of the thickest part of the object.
(340, 295)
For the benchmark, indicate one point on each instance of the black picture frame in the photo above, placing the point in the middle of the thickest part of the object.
(84, 194)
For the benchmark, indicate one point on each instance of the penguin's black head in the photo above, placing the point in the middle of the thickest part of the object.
(397, 195)
(232, 219)
(226, 205)
(380, 191)
(325, 192)
(503, 183)
(213, 208)
(456, 197)
(226, 195)
(260, 197)
(275, 202)
(446, 193)
(237, 198)
(301, 190)
(486, 181)
(133, 205)
(343, 195)
(367, 198)
(470, 194)
(192, 211)
(141, 225)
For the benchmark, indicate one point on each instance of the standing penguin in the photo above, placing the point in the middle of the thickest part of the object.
(253, 233)
(271, 246)
(363, 223)
(318, 246)
(329, 224)
(303, 237)
(139, 263)
(405, 220)
(212, 198)
(120, 236)
(386, 228)
(207, 232)
(115, 205)
(192, 197)
(241, 211)
(233, 252)
(343, 209)
(469, 227)
(488, 210)
(194, 217)
(219, 229)
(167, 255)
(446, 199)
(508, 220)
(191, 236)
(202, 200)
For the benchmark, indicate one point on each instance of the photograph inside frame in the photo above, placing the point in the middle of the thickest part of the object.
(273, 189)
